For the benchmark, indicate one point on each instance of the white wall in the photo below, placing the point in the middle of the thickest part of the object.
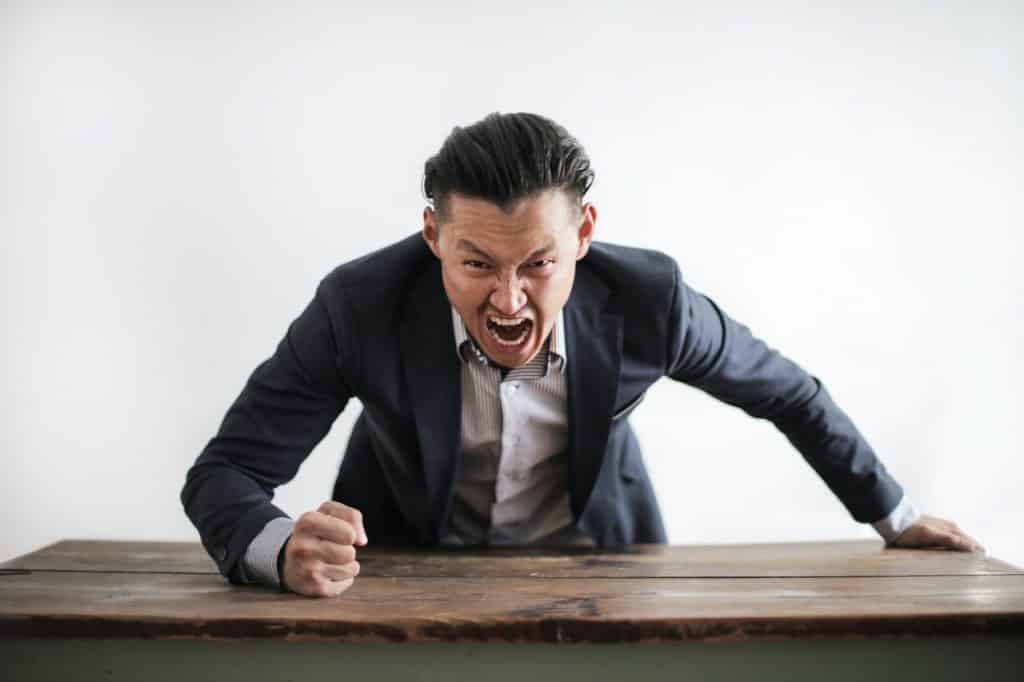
(845, 180)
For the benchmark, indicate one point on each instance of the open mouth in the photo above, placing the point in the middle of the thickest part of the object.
(509, 333)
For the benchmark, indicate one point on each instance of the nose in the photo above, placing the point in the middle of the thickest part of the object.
(508, 297)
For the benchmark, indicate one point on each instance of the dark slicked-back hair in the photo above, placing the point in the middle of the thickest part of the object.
(506, 158)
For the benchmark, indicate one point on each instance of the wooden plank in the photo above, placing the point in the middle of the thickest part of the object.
(74, 605)
(847, 558)
(836, 559)
(117, 556)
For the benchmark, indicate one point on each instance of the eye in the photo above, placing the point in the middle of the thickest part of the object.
(475, 264)
(540, 263)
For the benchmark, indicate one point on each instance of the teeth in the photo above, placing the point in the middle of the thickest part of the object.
(494, 323)
(505, 323)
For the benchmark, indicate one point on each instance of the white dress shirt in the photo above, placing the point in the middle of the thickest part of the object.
(513, 482)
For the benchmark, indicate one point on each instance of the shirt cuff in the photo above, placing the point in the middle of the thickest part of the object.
(259, 565)
(898, 520)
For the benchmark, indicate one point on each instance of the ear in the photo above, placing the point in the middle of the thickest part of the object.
(585, 232)
(431, 234)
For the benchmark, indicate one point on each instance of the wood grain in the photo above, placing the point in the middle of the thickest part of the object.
(88, 589)
(53, 604)
(808, 559)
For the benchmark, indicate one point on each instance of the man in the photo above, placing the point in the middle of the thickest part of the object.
(497, 357)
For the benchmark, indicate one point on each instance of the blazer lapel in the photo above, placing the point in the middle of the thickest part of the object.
(435, 388)
(594, 351)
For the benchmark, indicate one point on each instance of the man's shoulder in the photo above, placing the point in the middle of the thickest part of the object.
(390, 268)
(629, 258)
(631, 272)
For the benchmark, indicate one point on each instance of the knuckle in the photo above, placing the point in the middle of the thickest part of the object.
(301, 550)
(346, 514)
(334, 554)
(306, 522)
(346, 533)
(333, 508)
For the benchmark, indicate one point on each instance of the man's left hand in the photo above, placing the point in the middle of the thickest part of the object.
(929, 531)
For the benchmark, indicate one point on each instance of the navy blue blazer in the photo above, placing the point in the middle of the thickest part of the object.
(379, 329)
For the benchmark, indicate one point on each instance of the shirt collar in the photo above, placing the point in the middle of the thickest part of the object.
(467, 349)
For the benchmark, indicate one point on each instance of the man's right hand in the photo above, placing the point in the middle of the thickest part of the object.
(320, 555)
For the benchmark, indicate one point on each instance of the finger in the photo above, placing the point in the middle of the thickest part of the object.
(333, 553)
(919, 536)
(327, 527)
(341, 572)
(939, 524)
(973, 544)
(336, 587)
(325, 588)
(954, 541)
(346, 513)
(964, 543)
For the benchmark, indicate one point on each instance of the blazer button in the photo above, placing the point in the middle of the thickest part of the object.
(220, 554)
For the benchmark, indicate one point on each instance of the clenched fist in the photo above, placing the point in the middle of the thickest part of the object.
(320, 555)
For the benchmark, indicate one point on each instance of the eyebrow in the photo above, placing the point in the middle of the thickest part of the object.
(467, 245)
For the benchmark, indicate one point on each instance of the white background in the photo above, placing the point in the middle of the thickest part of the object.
(844, 180)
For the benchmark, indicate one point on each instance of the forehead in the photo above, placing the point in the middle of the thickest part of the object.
(546, 216)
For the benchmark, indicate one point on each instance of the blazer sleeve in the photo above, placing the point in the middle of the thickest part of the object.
(285, 408)
(712, 352)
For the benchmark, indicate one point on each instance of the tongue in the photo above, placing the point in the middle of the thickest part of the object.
(510, 333)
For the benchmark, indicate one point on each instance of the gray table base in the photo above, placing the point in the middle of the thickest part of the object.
(875, 658)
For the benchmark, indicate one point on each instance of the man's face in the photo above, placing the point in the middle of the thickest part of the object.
(509, 274)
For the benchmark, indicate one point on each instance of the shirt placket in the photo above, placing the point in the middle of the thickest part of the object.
(510, 476)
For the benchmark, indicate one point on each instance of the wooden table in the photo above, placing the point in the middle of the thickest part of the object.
(832, 610)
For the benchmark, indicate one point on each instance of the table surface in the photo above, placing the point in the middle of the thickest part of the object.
(112, 589)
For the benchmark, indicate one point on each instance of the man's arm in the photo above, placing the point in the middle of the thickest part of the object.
(899, 519)
(714, 353)
(284, 410)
